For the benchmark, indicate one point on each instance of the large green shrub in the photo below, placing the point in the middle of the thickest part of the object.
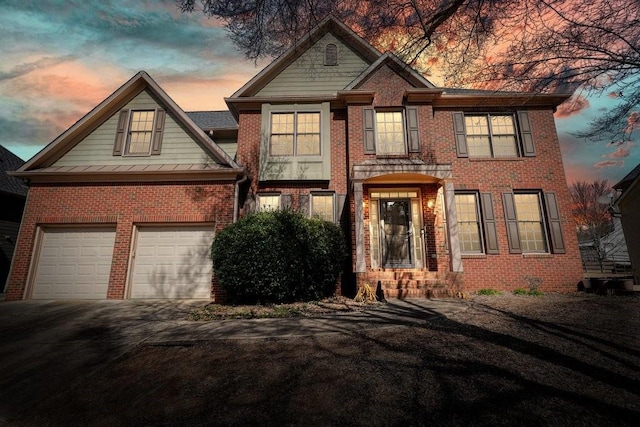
(279, 256)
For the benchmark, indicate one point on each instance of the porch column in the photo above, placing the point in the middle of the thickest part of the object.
(452, 226)
(361, 264)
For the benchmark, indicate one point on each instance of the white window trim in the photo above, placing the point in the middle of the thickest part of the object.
(478, 221)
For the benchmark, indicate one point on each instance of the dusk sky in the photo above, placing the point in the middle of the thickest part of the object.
(59, 59)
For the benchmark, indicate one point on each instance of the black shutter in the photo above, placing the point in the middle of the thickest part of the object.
(526, 136)
(460, 134)
(489, 223)
(303, 204)
(412, 130)
(369, 131)
(555, 224)
(286, 201)
(513, 235)
(157, 132)
(340, 200)
(121, 133)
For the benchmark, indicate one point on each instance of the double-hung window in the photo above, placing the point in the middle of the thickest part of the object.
(139, 132)
(268, 202)
(391, 132)
(490, 135)
(477, 231)
(322, 206)
(530, 223)
(295, 134)
(494, 135)
(533, 222)
(390, 138)
(469, 231)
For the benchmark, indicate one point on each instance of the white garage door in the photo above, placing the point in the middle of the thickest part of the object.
(172, 263)
(74, 263)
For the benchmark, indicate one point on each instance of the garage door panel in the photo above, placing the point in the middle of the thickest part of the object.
(172, 263)
(74, 264)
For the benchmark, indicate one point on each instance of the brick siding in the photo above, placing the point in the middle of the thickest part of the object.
(122, 206)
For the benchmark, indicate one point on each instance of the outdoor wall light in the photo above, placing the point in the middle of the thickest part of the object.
(431, 203)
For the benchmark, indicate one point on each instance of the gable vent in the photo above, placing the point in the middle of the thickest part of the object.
(331, 54)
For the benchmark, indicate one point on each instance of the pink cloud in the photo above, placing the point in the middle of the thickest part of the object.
(614, 95)
(609, 164)
(572, 106)
(633, 122)
(622, 150)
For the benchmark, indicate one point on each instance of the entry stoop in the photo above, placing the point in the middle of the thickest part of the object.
(406, 284)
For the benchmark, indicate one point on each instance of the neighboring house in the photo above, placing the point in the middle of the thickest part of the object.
(628, 206)
(13, 194)
(609, 254)
(438, 190)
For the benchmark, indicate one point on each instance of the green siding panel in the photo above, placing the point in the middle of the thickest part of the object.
(178, 146)
(308, 75)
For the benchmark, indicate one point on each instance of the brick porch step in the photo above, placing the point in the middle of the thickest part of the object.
(410, 284)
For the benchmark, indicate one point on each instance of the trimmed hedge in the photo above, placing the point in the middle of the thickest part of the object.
(278, 257)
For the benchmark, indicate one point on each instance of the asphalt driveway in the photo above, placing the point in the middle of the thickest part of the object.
(494, 361)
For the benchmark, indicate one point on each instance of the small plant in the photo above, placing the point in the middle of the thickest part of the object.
(489, 291)
(365, 294)
(521, 291)
(534, 283)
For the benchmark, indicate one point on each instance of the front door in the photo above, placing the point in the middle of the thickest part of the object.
(395, 216)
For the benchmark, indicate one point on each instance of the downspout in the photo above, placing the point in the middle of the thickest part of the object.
(236, 198)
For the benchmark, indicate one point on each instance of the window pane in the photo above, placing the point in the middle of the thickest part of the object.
(476, 125)
(468, 224)
(504, 146)
(308, 122)
(478, 146)
(390, 132)
(530, 226)
(282, 145)
(269, 203)
(282, 123)
(502, 125)
(322, 206)
(140, 132)
(308, 145)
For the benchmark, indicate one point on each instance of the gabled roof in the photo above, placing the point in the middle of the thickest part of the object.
(107, 108)
(628, 179)
(329, 24)
(213, 120)
(8, 184)
(399, 66)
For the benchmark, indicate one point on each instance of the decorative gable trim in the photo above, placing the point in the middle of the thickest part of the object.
(110, 106)
(404, 70)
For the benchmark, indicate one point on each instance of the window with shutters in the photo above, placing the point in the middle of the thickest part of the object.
(530, 224)
(391, 132)
(477, 232)
(322, 206)
(469, 233)
(139, 133)
(533, 222)
(493, 135)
